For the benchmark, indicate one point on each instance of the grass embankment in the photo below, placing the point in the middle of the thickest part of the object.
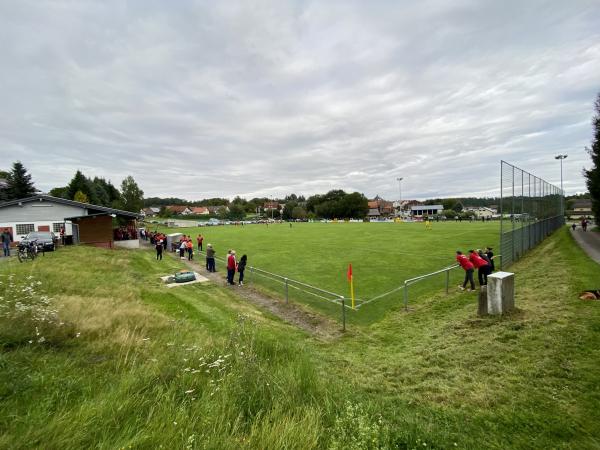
(135, 364)
(383, 255)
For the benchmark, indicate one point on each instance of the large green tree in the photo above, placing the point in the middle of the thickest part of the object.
(593, 175)
(80, 183)
(132, 197)
(19, 184)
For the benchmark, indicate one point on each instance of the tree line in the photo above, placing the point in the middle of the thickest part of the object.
(96, 191)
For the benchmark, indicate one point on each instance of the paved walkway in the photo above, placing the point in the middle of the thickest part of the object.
(589, 241)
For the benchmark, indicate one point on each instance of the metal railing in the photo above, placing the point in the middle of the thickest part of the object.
(446, 270)
(290, 283)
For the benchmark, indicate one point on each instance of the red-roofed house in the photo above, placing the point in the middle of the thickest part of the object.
(181, 210)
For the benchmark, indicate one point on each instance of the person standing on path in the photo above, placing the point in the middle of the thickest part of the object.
(231, 266)
(241, 267)
(159, 250)
(469, 269)
(199, 239)
(584, 224)
(210, 258)
(6, 240)
(190, 249)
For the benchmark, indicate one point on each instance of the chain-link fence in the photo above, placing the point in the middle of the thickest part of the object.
(530, 209)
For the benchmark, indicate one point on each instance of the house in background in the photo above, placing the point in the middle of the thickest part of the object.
(200, 210)
(180, 210)
(214, 210)
(420, 211)
(379, 207)
(481, 211)
(83, 222)
(581, 208)
(150, 212)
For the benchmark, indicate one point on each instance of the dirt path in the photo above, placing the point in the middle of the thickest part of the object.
(319, 326)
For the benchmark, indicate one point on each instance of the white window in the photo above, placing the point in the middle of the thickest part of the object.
(56, 226)
(24, 228)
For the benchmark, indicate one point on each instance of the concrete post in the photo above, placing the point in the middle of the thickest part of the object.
(500, 293)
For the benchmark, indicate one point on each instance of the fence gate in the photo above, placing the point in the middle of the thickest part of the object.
(530, 209)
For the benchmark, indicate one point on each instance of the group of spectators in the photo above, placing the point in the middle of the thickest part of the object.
(480, 260)
(125, 233)
(233, 265)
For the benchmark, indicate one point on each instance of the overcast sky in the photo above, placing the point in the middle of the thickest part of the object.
(201, 99)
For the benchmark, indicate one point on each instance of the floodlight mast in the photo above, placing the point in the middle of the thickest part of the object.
(562, 192)
(399, 180)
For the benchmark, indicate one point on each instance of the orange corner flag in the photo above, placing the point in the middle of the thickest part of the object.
(349, 272)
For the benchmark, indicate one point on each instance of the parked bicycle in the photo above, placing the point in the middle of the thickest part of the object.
(27, 250)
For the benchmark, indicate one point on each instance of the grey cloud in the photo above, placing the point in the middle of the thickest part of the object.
(198, 99)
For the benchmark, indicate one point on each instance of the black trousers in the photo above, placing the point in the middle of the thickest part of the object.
(469, 278)
(241, 276)
(159, 254)
(482, 274)
(210, 264)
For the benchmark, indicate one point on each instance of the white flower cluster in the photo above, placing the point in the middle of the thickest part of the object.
(22, 301)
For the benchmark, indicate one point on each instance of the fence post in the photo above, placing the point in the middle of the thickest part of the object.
(343, 313)
(447, 281)
(405, 296)
(286, 291)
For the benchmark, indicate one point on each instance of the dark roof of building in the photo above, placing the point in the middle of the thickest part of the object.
(94, 209)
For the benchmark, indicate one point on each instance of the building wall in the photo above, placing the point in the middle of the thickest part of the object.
(96, 230)
(37, 226)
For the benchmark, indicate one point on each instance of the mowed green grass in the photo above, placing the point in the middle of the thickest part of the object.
(129, 363)
(382, 255)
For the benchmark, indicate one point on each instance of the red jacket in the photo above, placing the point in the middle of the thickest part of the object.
(464, 262)
(477, 260)
(231, 264)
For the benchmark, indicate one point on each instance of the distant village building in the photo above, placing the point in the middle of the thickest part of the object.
(214, 210)
(420, 211)
(150, 212)
(200, 210)
(272, 206)
(482, 211)
(379, 207)
(582, 208)
(180, 210)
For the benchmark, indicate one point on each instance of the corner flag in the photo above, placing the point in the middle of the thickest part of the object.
(351, 280)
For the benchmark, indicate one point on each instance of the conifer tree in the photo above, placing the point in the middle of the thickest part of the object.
(19, 183)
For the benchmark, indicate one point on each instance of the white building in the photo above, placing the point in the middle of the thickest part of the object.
(426, 210)
(482, 211)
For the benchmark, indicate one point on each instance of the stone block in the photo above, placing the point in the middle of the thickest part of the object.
(500, 293)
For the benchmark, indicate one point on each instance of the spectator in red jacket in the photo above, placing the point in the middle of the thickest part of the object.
(482, 266)
(469, 269)
(231, 266)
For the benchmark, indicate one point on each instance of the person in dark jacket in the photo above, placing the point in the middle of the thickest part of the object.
(210, 258)
(490, 254)
(469, 269)
(241, 267)
(159, 250)
(6, 240)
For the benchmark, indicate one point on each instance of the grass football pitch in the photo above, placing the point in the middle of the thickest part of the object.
(382, 255)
